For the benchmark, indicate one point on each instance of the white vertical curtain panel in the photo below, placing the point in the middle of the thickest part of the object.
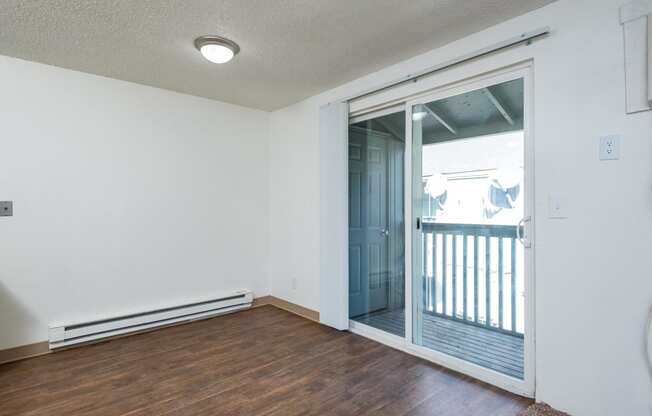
(333, 216)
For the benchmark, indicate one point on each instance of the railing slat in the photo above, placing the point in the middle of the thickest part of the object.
(444, 258)
(487, 287)
(454, 276)
(464, 276)
(433, 288)
(513, 291)
(500, 283)
(475, 278)
(424, 283)
(426, 278)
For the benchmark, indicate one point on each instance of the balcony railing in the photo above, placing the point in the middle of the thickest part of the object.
(472, 273)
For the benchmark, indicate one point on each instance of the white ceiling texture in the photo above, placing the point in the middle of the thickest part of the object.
(291, 49)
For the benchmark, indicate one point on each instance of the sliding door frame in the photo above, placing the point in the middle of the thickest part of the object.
(524, 387)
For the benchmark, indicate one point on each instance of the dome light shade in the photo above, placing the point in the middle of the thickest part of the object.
(217, 49)
(419, 115)
(217, 53)
(418, 112)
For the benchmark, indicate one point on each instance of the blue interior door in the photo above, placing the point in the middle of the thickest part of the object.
(368, 222)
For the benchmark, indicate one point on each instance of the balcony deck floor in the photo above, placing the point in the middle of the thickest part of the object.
(491, 349)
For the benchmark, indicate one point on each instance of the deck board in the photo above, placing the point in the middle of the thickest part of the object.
(491, 349)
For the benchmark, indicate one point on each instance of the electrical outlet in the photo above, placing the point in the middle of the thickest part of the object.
(6, 208)
(610, 147)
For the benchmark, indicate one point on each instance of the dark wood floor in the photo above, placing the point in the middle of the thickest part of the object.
(263, 361)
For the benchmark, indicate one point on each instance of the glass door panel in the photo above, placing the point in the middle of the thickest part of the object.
(376, 222)
(468, 196)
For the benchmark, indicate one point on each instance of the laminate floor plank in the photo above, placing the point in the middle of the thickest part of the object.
(263, 361)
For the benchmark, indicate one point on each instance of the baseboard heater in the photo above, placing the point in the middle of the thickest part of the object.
(76, 333)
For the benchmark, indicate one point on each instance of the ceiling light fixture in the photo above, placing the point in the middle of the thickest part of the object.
(419, 115)
(217, 49)
(418, 112)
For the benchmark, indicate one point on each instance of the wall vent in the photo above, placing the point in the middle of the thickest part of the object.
(76, 333)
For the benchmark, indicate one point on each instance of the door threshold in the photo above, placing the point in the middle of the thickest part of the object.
(377, 335)
(485, 375)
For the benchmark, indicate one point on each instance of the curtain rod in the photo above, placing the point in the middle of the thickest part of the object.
(526, 37)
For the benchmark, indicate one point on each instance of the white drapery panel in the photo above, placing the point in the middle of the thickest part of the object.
(333, 206)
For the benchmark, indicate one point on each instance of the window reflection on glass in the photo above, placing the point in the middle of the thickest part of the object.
(376, 222)
(474, 181)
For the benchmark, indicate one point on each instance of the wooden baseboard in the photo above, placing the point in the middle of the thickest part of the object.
(24, 351)
(287, 306)
(262, 301)
(40, 348)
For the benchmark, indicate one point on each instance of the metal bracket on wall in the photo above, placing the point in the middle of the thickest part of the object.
(6, 208)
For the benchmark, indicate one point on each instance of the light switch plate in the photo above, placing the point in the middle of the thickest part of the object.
(6, 209)
(610, 147)
(557, 207)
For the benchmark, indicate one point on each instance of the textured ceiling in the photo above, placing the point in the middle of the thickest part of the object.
(291, 49)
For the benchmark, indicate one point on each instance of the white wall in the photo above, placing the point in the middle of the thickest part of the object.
(592, 269)
(125, 197)
(294, 204)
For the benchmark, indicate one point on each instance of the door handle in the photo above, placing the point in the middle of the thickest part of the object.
(522, 237)
(384, 232)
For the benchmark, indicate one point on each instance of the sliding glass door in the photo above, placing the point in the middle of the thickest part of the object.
(469, 208)
(440, 260)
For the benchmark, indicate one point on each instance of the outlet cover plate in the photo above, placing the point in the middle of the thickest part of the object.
(610, 147)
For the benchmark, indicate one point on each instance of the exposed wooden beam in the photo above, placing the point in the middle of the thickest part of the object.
(369, 130)
(443, 122)
(390, 129)
(499, 106)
